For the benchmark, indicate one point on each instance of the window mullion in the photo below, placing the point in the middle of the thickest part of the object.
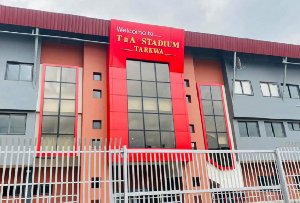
(241, 84)
(59, 105)
(19, 72)
(269, 90)
(9, 119)
(159, 129)
(246, 124)
(273, 129)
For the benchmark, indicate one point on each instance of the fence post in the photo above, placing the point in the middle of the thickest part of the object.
(284, 186)
(125, 162)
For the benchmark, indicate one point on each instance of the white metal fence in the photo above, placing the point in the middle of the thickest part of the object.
(98, 171)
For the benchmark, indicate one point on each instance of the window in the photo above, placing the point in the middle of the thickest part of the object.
(150, 116)
(196, 182)
(248, 129)
(275, 129)
(96, 124)
(59, 107)
(19, 71)
(215, 124)
(97, 76)
(12, 189)
(194, 146)
(12, 124)
(96, 182)
(188, 98)
(291, 91)
(243, 87)
(294, 126)
(269, 89)
(192, 128)
(43, 189)
(186, 83)
(97, 94)
(96, 143)
(297, 182)
(267, 180)
(214, 118)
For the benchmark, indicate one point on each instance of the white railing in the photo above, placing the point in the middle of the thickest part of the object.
(90, 172)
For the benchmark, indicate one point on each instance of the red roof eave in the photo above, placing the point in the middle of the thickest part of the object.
(92, 26)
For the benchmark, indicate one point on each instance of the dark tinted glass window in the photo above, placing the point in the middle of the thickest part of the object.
(148, 71)
(17, 124)
(167, 140)
(162, 72)
(269, 130)
(149, 95)
(97, 76)
(249, 129)
(4, 123)
(186, 83)
(12, 123)
(149, 89)
(136, 139)
(243, 129)
(96, 124)
(133, 70)
(192, 129)
(188, 98)
(294, 126)
(275, 129)
(152, 139)
(135, 121)
(294, 91)
(134, 88)
(97, 93)
(278, 129)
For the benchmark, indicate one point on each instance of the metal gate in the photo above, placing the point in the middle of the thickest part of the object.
(95, 170)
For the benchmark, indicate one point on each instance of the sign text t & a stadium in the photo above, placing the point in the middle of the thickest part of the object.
(130, 40)
(148, 45)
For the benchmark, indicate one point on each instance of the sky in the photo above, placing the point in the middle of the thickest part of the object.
(268, 20)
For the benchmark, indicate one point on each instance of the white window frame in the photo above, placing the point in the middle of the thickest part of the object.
(269, 89)
(241, 85)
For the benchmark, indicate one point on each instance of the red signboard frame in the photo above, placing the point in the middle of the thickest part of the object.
(120, 51)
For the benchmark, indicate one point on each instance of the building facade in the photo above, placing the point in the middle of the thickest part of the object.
(64, 79)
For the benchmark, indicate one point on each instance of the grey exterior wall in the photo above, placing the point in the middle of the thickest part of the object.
(17, 96)
(257, 107)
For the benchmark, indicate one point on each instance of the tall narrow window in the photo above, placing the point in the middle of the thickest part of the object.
(150, 117)
(215, 122)
(59, 107)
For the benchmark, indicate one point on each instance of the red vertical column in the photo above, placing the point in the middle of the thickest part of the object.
(118, 118)
(180, 113)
